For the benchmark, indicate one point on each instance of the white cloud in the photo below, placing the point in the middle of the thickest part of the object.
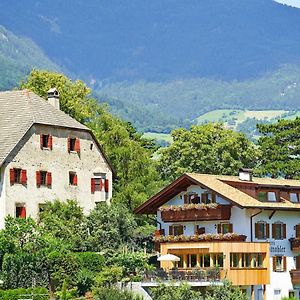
(295, 3)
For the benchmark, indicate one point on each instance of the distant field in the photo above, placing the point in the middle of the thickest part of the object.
(232, 118)
(158, 136)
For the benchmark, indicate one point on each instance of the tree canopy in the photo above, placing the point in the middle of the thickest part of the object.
(208, 148)
(130, 154)
(280, 147)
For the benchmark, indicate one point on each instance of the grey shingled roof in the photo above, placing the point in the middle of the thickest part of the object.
(19, 110)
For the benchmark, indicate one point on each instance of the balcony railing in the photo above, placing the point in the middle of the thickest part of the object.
(195, 275)
(201, 213)
(295, 276)
(295, 244)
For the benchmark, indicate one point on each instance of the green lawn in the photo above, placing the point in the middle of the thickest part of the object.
(158, 136)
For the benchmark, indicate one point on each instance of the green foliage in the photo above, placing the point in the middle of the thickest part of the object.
(85, 281)
(226, 292)
(129, 153)
(109, 276)
(90, 260)
(22, 293)
(110, 227)
(208, 148)
(131, 262)
(182, 292)
(114, 293)
(280, 148)
(64, 291)
(66, 222)
(164, 106)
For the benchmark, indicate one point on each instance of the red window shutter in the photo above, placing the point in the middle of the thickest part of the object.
(22, 212)
(69, 144)
(93, 185)
(12, 176)
(38, 178)
(77, 145)
(101, 184)
(41, 141)
(75, 180)
(50, 142)
(267, 230)
(219, 228)
(49, 178)
(23, 176)
(106, 185)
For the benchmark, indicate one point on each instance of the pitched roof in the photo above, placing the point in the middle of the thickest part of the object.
(20, 110)
(220, 184)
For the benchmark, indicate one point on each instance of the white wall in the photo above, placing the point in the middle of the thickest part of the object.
(59, 162)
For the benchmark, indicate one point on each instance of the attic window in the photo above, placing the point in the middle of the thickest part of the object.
(270, 196)
(73, 145)
(46, 141)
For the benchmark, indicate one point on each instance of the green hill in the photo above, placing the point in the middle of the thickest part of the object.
(18, 55)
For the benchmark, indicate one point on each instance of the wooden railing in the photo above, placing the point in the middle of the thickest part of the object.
(221, 212)
(295, 276)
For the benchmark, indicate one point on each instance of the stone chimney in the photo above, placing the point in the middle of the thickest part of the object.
(245, 174)
(53, 98)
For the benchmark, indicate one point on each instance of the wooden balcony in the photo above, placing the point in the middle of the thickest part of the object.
(221, 212)
(295, 244)
(295, 276)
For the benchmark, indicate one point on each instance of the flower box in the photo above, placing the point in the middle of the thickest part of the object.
(195, 213)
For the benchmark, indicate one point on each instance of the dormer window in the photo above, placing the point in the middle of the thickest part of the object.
(294, 197)
(267, 196)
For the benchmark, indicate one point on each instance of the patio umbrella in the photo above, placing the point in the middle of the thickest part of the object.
(169, 257)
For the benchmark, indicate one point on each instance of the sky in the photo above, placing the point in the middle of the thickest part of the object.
(295, 3)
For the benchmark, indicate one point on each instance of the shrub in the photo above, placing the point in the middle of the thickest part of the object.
(114, 293)
(85, 281)
(34, 293)
(92, 261)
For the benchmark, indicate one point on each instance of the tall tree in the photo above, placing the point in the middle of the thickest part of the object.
(208, 148)
(280, 147)
(130, 154)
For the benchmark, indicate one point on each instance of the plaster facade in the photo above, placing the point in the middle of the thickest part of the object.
(88, 163)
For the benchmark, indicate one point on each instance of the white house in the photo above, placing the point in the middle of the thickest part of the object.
(248, 227)
(47, 155)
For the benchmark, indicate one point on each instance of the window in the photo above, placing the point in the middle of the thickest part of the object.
(217, 260)
(234, 260)
(247, 260)
(191, 260)
(191, 198)
(73, 145)
(257, 259)
(46, 141)
(224, 228)
(18, 176)
(279, 231)
(73, 178)
(262, 230)
(264, 196)
(279, 263)
(43, 178)
(175, 229)
(20, 211)
(208, 197)
(199, 229)
(99, 183)
(294, 197)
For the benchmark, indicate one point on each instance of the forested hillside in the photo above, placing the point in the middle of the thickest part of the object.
(162, 106)
(159, 40)
(18, 55)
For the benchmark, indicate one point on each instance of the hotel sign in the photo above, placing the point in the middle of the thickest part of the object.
(277, 248)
